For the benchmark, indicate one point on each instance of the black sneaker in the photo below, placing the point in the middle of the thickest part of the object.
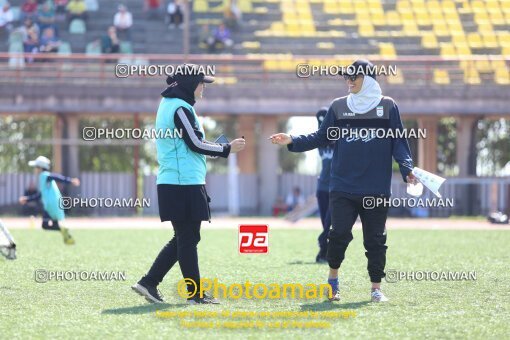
(203, 300)
(150, 293)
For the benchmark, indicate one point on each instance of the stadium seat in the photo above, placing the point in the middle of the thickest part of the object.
(126, 47)
(441, 77)
(92, 5)
(64, 48)
(471, 76)
(502, 76)
(93, 48)
(253, 45)
(475, 40)
(16, 13)
(483, 66)
(77, 26)
(325, 45)
(429, 40)
(397, 79)
(447, 50)
(387, 50)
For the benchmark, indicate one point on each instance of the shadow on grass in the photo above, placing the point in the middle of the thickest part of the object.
(142, 309)
(302, 262)
(326, 305)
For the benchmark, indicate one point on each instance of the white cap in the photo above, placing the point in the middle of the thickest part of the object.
(40, 162)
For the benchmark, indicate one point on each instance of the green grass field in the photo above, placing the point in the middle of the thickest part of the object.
(94, 309)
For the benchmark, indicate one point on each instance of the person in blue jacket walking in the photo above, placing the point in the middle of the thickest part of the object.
(361, 168)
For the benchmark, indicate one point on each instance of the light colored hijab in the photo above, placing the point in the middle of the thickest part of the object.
(366, 99)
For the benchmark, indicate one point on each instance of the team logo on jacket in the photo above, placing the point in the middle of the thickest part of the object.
(379, 111)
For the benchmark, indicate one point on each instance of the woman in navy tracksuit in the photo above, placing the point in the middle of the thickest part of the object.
(182, 197)
(361, 168)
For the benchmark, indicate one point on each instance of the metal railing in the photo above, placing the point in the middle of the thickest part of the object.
(417, 71)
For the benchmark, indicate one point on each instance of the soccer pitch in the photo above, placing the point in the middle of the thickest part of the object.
(98, 309)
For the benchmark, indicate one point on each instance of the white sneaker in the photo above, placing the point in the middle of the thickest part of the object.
(378, 296)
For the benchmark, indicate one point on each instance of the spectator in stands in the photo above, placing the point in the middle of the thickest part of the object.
(222, 38)
(123, 20)
(152, 8)
(49, 42)
(46, 17)
(110, 43)
(232, 15)
(29, 9)
(60, 9)
(294, 199)
(6, 18)
(76, 9)
(204, 37)
(28, 25)
(175, 15)
(31, 43)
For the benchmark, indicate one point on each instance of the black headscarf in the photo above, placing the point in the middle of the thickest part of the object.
(182, 88)
(184, 82)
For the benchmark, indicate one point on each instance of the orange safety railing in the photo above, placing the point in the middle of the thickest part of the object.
(21, 68)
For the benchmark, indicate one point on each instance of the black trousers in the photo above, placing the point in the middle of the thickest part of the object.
(345, 209)
(48, 223)
(323, 200)
(183, 248)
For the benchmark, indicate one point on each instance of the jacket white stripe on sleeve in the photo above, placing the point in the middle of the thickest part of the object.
(191, 133)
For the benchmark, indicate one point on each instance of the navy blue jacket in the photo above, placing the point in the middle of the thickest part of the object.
(326, 153)
(361, 167)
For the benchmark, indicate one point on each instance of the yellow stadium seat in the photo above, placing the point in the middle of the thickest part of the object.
(459, 39)
(506, 51)
(485, 28)
(396, 79)
(499, 63)
(504, 38)
(423, 19)
(502, 76)
(325, 45)
(378, 19)
(200, 6)
(471, 76)
(429, 40)
(251, 44)
(393, 18)
(463, 50)
(490, 41)
(497, 18)
(410, 29)
(271, 65)
(441, 77)
(447, 50)
(387, 50)
(441, 30)
(366, 30)
(475, 40)
(434, 7)
(483, 66)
